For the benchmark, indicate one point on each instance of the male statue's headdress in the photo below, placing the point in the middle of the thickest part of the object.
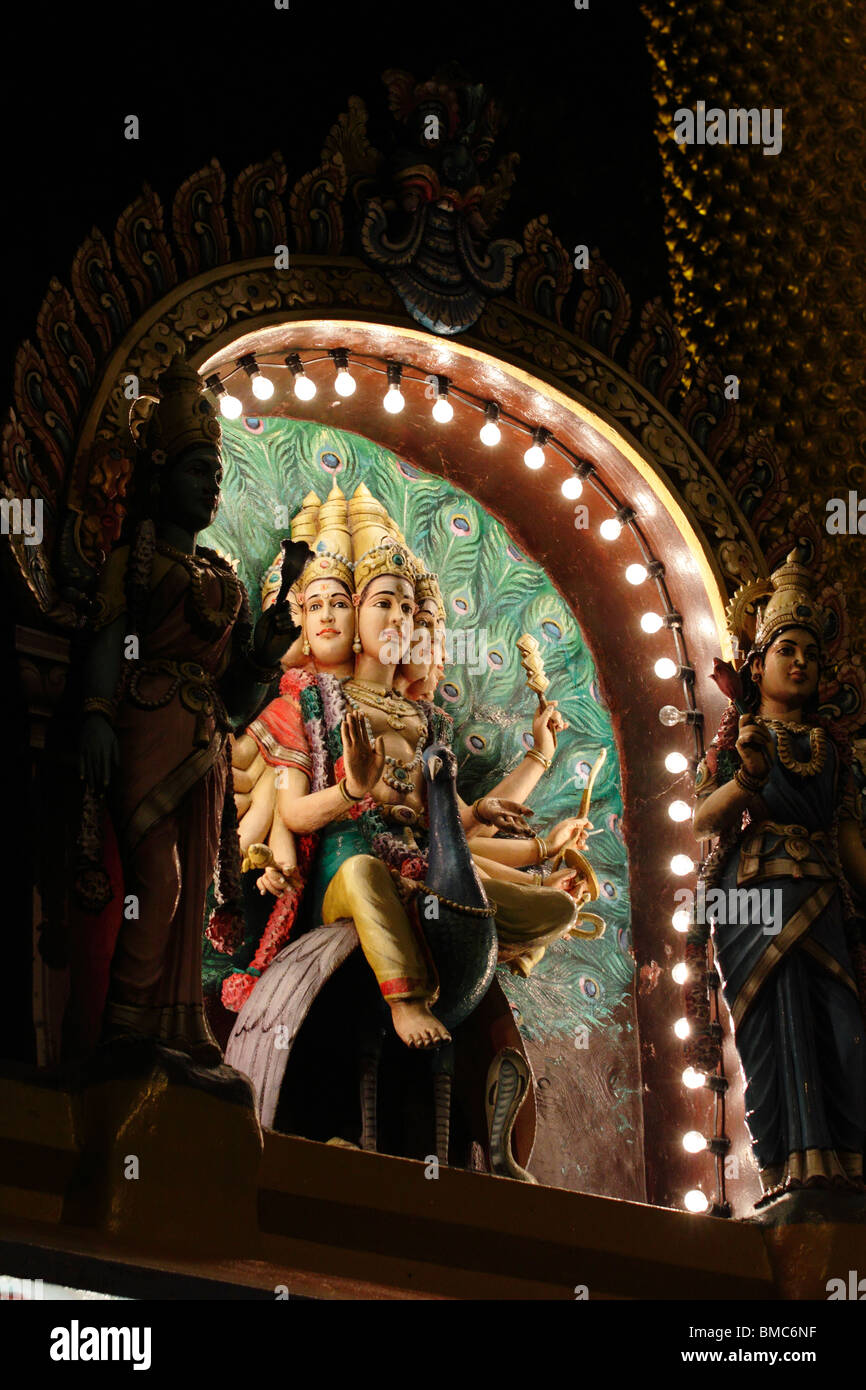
(175, 417)
(331, 542)
(378, 543)
(427, 586)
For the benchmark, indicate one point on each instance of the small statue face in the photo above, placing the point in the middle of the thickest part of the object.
(385, 618)
(329, 622)
(423, 651)
(189, 490)
(788, 671)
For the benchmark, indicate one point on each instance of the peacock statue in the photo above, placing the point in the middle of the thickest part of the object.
(461, 936)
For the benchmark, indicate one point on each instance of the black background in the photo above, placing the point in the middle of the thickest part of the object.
(237, 81)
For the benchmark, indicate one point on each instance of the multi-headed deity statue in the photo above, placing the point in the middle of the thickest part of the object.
(330, 774)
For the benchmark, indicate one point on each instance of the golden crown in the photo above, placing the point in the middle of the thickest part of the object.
(176, 417)
(427, 586)
(378, 543)
(331, 543)
(790, 603)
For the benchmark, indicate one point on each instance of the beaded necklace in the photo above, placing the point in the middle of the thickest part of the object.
(396, 709)
(817, 747)
(212, 622)
(396, 773)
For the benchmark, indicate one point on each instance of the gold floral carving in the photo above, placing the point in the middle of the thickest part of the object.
(766, 254)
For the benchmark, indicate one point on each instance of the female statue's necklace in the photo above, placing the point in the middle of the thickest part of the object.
(395, 708)
(213, 620)
(817, 747)
(396, 773)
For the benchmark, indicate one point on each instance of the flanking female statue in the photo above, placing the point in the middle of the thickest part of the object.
(777, 789)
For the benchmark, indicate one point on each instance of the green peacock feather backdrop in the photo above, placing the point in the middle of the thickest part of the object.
(493, 593)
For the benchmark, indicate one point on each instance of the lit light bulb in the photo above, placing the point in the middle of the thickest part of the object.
(534, 457)
(263, 387)
(693, 1079)
(665, 668)
(394, 400)
(679, 810)
(636, 574)
(675, 762)
(651, 622)
(695, 1200)
(681, 864)
(230, 407)
(681, 920)
(443, 410)
(572, 488)
(693, 1142)
(610, 528)
(305, 389)
(680, 973)
(490, 433)
(682, 1028)
(669, 715)
(345, 383)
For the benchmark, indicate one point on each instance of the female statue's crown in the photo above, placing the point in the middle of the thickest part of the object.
(790, 604)
(378, 543)
(176, 417)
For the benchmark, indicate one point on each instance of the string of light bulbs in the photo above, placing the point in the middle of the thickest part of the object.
(623, 518)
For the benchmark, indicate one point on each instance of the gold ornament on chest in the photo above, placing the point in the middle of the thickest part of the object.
(397, 772)
(395, 709)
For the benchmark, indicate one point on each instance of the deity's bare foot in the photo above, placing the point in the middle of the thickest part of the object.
(416, 1025)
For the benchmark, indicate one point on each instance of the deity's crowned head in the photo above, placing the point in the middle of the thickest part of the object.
(784, 639)
(385, 577)
(178, 437)
(425, 662)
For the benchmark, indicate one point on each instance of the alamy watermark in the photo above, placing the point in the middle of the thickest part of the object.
(761, 907)
(736, 126)
(846, 516)
(22, 518)
(458, 648)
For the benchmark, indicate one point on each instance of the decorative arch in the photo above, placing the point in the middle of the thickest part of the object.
(130, 310)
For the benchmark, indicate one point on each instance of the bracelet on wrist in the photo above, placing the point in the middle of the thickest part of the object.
(749, 783)
(477, 814)
(543, 851)
(347, 795)
(95, 704)
(539, 758)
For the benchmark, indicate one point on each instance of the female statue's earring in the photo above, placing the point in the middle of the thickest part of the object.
(356, 645)
(306, 646)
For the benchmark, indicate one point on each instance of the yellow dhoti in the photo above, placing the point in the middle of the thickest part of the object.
(362, 888)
